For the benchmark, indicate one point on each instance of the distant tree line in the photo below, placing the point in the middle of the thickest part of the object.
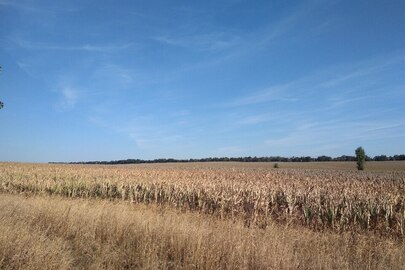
(241, 159)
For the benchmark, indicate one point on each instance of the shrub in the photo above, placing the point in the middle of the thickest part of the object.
(360, 157)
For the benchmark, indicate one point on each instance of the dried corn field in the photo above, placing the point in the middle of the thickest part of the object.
(319, 199)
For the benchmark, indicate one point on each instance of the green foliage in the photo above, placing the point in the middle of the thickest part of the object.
(360, 158)
(275, 166)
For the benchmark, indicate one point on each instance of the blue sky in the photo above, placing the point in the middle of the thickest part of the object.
(105, 80)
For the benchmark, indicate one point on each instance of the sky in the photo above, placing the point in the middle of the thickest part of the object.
(108, 80)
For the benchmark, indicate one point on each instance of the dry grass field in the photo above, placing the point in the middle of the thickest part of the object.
(202, 216)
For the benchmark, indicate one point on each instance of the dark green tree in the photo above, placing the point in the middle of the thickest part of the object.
(360, 158)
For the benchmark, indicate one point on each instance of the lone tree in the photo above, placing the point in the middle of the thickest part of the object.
(361, 158)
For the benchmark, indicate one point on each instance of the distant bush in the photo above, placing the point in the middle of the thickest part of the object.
(360, 158)
(275, 166)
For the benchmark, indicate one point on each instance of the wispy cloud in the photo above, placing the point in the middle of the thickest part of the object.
(284, 26)
(109, 48)
(27, 7)
(6, 3)
(35, 8)
(233, 45)
(26, 67)
(257, 119)
(363, 68)
(69, 96)
(123, 75)
(329, 134)
(273, 93)
(146, 132)
(360, 75)
(117, 77)
(213, 41)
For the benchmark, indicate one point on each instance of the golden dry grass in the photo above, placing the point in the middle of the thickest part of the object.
(321, 199)
(57, 233)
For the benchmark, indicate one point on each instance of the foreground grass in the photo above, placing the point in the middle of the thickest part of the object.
(60, 233)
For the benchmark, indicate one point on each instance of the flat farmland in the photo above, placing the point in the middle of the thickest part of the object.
(337, 209)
